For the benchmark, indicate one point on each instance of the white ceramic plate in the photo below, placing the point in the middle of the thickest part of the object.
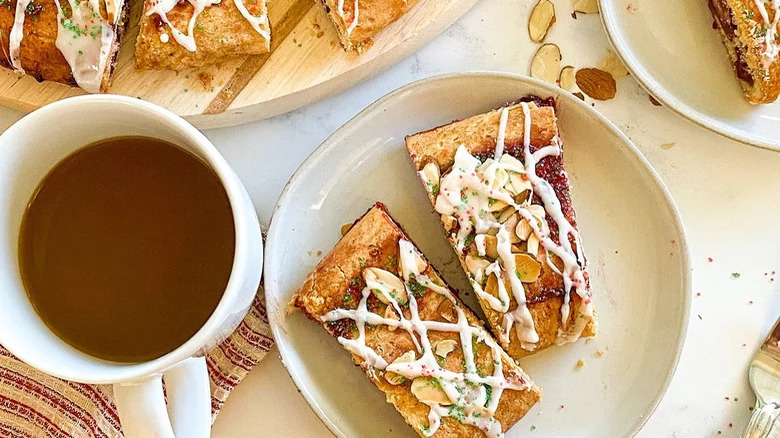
(633, 237)
(671, 48)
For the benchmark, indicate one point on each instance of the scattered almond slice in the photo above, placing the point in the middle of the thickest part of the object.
(537, 210)
(510, 225)
(476, 266)
(532, 245)
(449, 222)
(429, 391)
(566, 78)
(511, 161)
(491, 287)
(546, 63)
(445, 347)
(378, 279)
(397, 379)
(505, 214)
(491, 247)
(586, 6)
(596, 83)
(520, 183)
(523, 229)
(418, 260)
(390, 314)
(527, 268)
(447, 311)
(580, 96)
(500, 179)
(496, 205)
(541, 20)
(431, 175)
(613, 65)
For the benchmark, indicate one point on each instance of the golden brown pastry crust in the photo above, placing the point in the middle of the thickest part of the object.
(39, 54)
(740, 24)
(373, 16)
(478, 135)
(221, 33)
(373, 241)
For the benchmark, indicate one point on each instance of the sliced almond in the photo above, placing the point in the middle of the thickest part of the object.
(505, 214)
(596, 83)
(491, 247)
(391, 314)
(586, 6)
(537, 210)
(566, 78)
(431, 173)
(445, 347)
(510, 225)
(520, 182)
(523, 229)
(345, 229)
(524, 198)
(397, 379)
(449, 222)
(541, 20)
(491, 286)
(477, 266)
(527, 268)
(499, 179)
(429, 391)
(511, 161)
(611, 64)
(532, 245)
(380, 280)
(447, 311)
(418, 260)
(496, 205)
(518, 248)
(546, 63)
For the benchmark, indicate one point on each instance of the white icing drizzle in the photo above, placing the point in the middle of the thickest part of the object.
(163, 7)
(354, 23)
(85, 40)
(16, 34)
(471, 400)
(772, 45)
(466, 194)
(259, 23)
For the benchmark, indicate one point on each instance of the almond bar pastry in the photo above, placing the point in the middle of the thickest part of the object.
(76, 42)
(357, 21)
(498, 182)
(749, 30)
(412, 335)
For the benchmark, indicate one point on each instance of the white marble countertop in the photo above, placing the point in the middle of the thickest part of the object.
(728, 195)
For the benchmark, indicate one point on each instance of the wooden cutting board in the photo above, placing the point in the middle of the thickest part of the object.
(306, 63)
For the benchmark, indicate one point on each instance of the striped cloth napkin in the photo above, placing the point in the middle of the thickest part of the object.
(35, 405)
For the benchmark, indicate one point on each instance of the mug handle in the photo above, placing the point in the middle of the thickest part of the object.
(142, 408)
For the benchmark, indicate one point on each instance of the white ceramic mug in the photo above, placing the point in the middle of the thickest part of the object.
(28, 150)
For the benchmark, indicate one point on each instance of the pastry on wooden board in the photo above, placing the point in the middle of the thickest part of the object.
(357, 21)
(451, 380)
(749, 30)
(76, 42)
(46, 40)
(498, 181)
(223, 30)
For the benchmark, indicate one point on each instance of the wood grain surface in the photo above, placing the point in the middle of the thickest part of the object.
(306, 63)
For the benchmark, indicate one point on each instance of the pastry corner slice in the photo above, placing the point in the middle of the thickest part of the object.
(417, 342)
(176, 34)
(498, 182)
(357, 21)
(749, 31)
(71, 42)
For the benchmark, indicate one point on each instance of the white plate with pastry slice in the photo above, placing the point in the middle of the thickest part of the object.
(676, 51)
(637, 261)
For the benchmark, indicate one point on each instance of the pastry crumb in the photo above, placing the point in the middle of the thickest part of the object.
(599, 352)
(580, 363)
